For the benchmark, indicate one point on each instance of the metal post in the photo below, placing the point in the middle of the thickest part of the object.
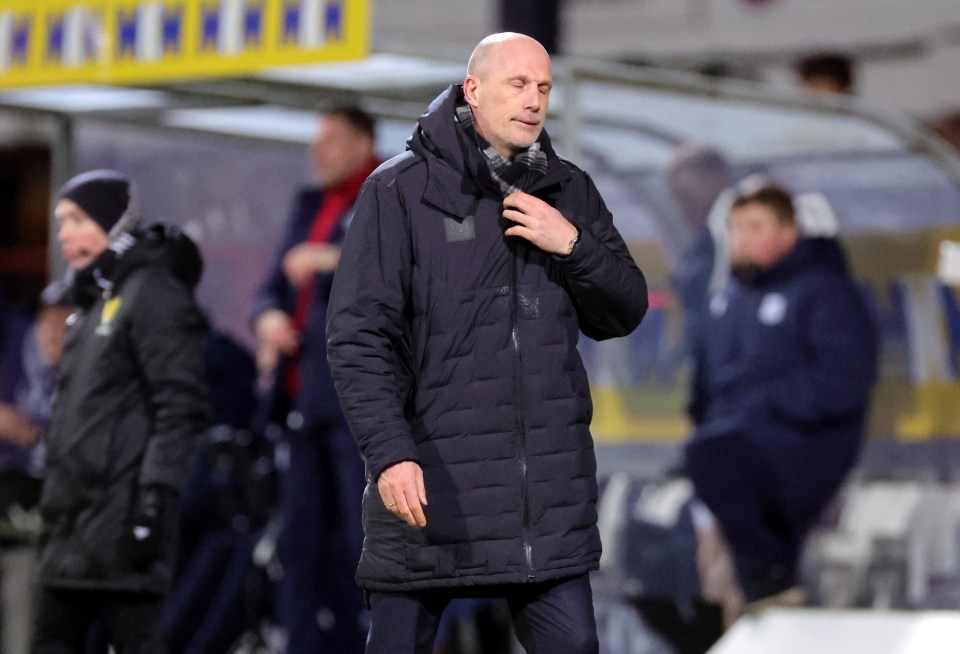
(570, 114)
(61, 169)
(537, 18)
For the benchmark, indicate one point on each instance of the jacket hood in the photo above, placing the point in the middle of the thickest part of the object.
(436, 137)
(435, 134)
(158, 244)
(180, 251)
(823, 254)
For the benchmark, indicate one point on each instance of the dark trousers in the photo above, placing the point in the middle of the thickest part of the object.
(65, 617)
(550, 618)
(319, 603)
(732, 478)
(214, 599)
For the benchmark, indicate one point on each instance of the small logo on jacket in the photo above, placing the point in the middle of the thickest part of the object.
(718, 305)
(459, 230)
(109, 312)
(773, 309)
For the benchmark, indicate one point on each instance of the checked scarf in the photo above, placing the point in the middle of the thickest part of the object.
(510, 176)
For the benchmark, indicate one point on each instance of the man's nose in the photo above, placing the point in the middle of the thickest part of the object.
(532, 99)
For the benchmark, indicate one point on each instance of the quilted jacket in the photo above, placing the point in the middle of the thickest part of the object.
(456, 347)
(130, 409)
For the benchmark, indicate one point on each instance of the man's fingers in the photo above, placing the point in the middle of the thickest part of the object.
(421, 488)
(405, 504)
(416, 516)
(409, 511)
(516, 216)
(522, 232)
(521, 201)
(388, 501)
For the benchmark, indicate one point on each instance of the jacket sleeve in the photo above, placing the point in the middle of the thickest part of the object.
(367, 345)
(167, 338)
(275, 290)
(699, 400)
(841, 362)
(607, 287)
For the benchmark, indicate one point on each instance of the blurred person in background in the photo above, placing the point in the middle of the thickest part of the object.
(697, 176)
(826, 73)
(473, 264)
(22, 424)
(319, 605)
(14, 326)
(784, 368)
(218, 592)
(129, 410)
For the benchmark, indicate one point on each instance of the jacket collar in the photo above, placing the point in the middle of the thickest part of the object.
(450, 186)
(823, 254)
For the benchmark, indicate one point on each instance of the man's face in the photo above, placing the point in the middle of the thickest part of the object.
(339, 149)
(81, 239)
(758, 237)
(510, 94)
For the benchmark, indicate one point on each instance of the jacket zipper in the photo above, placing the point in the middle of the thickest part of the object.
(521, 426)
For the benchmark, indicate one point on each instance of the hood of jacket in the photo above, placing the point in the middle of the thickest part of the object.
(159, 244)
(823, 254)
(458, 171)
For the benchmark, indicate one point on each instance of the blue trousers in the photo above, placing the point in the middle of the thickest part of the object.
(554, 617)
(731, 477)
(319, 603)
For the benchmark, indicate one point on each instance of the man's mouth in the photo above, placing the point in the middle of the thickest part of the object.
(72, 254)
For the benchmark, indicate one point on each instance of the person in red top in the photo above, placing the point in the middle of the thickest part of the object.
(319, 605)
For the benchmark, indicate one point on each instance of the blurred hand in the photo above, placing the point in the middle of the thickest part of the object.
(539, 223)
(303, 260)
(403, 493)
(143, 539)
(16, 428)
(276, 336)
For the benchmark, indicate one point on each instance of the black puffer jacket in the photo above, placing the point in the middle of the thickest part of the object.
(131, 405)
(454, 346)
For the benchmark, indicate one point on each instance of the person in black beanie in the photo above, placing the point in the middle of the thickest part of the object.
(131, 404)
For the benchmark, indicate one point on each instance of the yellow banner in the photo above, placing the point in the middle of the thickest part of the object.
(143, 41)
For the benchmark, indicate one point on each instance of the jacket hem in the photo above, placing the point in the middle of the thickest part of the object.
(520, 577)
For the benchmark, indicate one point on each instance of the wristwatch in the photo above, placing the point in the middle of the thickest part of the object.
(574, 242)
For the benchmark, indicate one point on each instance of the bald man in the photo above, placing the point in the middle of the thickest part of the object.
(473, 263)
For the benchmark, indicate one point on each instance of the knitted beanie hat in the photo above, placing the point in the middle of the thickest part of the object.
(104, 195)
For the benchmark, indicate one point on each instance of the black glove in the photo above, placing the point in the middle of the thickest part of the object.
(143, 537)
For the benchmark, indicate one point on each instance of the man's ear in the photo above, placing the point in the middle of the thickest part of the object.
(471, 87)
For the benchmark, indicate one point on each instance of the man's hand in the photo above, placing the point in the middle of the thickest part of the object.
(142, 542)
(303, 260)
(538, 223)
(15, 428)
(276, 336)
(403, 493)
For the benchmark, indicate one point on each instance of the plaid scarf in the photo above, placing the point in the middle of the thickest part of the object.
(509, 176)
